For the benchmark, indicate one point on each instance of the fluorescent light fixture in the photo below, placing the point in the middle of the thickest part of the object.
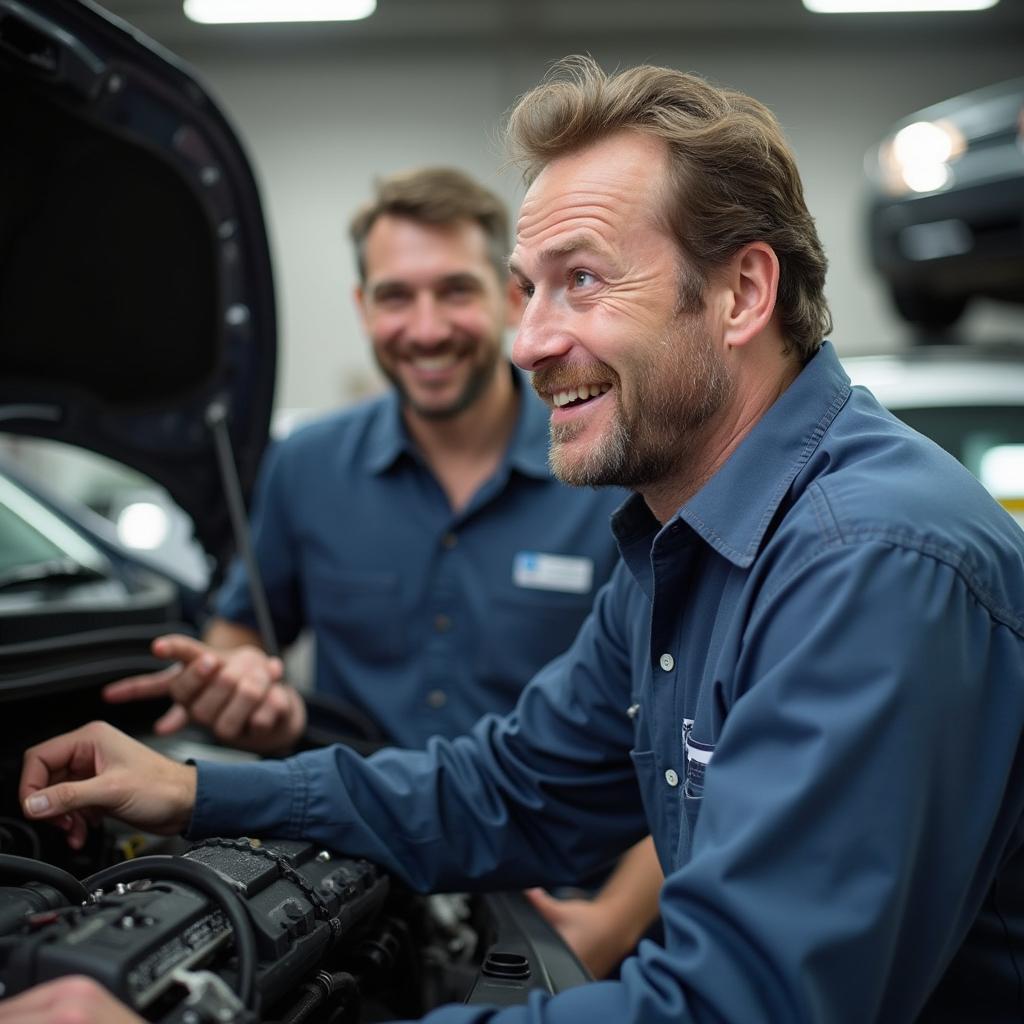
(895, 6)
(237, 12)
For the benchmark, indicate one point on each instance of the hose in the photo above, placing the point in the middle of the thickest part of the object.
(23, 869)
(158, 868)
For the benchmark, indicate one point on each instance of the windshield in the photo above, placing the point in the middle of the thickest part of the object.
(22, 545)
(31, 536)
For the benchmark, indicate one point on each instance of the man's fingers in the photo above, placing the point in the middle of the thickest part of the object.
(47, 763)
(178, 647)
(549, 908)
(273, 709)
(195, 680)
(65, 999)
(250, 693)
(142, 687)
(78, 830)
(65, 797)
(171, 721)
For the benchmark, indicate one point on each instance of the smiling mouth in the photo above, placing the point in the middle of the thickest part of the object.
(432, 364)
(578, 395)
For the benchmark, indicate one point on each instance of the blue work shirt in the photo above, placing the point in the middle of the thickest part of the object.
(808, 684)
(424, 618)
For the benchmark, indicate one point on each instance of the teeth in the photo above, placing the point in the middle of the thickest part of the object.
(584, 391)
(434, 362)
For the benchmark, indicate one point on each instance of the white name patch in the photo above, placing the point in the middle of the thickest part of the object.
(570, 575)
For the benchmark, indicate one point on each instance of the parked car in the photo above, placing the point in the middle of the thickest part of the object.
(137, 321)
(946, 216)
(967, 398)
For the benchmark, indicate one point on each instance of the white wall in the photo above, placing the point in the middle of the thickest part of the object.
(320, 126)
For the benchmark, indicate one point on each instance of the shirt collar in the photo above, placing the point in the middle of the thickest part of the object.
(388, 439)
(732, 511)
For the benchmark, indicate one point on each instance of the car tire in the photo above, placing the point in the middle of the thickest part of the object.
(928, 310)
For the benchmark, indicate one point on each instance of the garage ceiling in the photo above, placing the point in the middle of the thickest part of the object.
(569, 22)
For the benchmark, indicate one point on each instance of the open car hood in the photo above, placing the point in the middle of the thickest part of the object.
(136, 296)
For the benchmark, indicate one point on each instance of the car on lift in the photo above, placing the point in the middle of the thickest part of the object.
(946, 209)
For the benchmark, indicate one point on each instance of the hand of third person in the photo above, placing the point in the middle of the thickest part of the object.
(238, 694)
(587, 927)
(66, 1000)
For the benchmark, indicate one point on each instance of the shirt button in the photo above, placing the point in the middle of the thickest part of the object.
(667, 662)
(437, 698)
(671, 778)
(442, 623)
(449, 540)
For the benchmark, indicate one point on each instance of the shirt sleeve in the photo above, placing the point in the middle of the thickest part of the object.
(853, 815)
(275, 554)
(544, 796)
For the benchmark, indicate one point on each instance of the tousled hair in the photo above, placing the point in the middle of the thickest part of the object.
(732, 180)
(438, 196)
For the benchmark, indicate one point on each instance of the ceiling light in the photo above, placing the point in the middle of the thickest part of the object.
(221, 12)
(895, 6)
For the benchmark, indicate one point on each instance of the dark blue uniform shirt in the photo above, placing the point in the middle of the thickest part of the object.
(424, 618)
(809, 686)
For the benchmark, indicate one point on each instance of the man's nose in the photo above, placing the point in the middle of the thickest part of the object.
(542, 335)
(429, 324)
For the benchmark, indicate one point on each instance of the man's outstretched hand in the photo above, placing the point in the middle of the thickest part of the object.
(74, 779)
(238, 694)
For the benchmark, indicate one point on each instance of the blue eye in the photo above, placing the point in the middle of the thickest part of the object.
(582, 278)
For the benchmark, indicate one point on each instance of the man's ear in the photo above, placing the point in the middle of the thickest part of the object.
(515, 301)
(752, 284)
(359, 297)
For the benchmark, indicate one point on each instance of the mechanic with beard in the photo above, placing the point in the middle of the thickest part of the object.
(806, 676)
(420, 535)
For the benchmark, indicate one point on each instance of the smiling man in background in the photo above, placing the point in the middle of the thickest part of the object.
(421, 535)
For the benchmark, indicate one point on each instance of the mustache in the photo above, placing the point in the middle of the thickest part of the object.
(563, 376)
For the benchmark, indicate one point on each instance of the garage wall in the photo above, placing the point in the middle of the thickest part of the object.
(319, 125)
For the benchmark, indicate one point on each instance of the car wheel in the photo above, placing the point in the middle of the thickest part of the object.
(928, 310)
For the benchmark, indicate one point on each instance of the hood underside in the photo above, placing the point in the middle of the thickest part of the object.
(136, 297)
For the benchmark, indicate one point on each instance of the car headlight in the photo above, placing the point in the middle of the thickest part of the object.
(143, 525)
(918, 157)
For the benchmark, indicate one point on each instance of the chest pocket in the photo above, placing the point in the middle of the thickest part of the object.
(698, 757)
(360, 611)
(522, 630)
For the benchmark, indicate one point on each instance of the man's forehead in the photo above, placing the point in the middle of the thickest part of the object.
(397, 246)
(590, 190)
(397, 230)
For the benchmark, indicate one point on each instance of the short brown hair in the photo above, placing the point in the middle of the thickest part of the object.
(435, 195)
(733, 177)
